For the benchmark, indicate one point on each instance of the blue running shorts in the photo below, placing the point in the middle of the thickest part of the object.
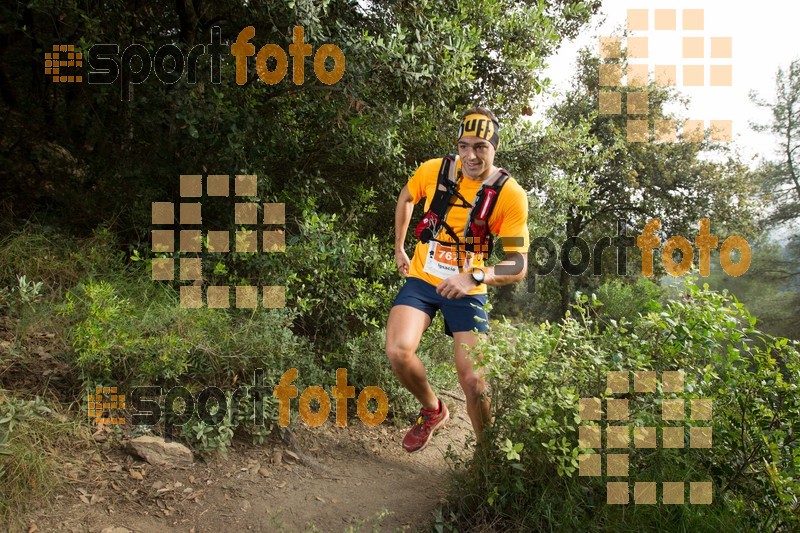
(460, 314)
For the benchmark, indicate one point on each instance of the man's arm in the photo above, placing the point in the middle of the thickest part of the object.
(514, 237)
(402, 216)
(510, 270)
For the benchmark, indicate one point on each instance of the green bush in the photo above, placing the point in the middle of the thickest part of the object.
(226, 344)
(341, 283)
(135, 333)
(527, 477)
(111, 340)
(58, 261)
(340, 280)
(625, 298)
(206, 436)
(129, 331)
(29, 436)
(24, 294)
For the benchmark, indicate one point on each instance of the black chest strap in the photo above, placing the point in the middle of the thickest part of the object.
(477, 237)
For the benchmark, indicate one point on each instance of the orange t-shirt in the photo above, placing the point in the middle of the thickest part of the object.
(509, 219)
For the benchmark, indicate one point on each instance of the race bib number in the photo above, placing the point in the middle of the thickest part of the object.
(442, 261)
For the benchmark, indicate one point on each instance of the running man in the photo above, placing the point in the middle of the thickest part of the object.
(447, 271)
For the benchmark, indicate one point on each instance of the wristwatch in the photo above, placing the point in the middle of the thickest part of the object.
(478, 276)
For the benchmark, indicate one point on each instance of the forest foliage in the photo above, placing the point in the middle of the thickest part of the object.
(82, 163)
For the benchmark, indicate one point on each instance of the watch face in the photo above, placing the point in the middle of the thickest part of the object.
(478, 276)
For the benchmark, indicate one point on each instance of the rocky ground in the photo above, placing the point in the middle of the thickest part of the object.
(319, 479)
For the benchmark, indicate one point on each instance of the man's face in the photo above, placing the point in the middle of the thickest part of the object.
(477, 157)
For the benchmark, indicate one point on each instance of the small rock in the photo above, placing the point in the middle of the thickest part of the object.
(115, 529)
(277, 457)
(156, 451)
(137, 475)
(264, 472)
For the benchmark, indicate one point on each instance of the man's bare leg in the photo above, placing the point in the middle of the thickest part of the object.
(404, 329)
(472, 383)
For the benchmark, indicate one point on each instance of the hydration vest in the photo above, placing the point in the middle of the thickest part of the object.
(476, 237)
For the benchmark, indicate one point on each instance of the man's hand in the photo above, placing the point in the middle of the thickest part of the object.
(403, 263)
(456, 286)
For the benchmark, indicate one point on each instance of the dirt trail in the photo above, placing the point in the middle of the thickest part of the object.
(358, 477)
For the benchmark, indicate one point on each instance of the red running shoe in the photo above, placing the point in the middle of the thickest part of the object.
(428, 422)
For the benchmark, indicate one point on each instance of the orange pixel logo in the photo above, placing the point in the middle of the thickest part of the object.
(695, 47)
(245, 239)
(63, 55)
(104, 401)
(618, 437)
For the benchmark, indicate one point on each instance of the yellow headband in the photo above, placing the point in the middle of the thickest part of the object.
(480, 126)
